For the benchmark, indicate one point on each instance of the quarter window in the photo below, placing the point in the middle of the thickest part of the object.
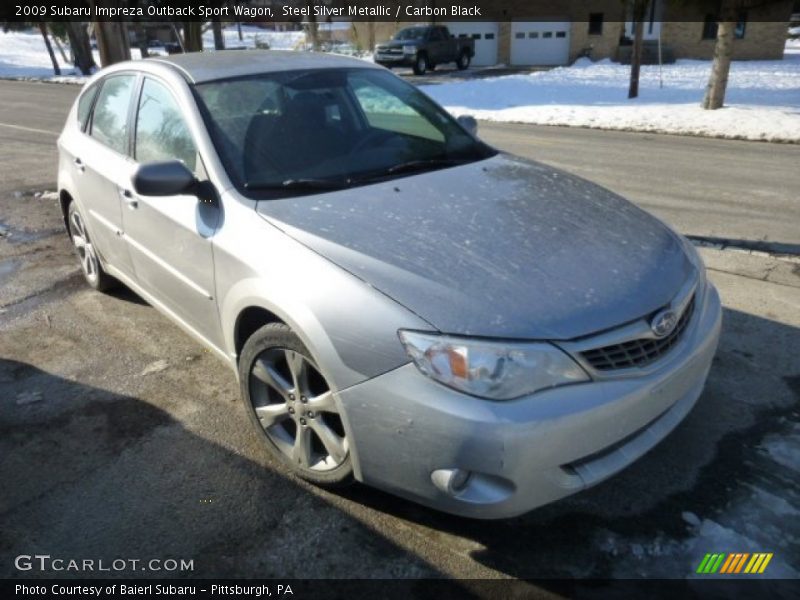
(85, 105)
(110, 117)
(161, 132)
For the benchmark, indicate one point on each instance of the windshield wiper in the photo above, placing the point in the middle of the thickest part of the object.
(308, 183)
(425, 164)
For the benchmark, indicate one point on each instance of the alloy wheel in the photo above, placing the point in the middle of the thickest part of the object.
(83, 246)
(296, 410)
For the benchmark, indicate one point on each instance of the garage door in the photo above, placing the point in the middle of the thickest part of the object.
(485, 36)
(540, 43)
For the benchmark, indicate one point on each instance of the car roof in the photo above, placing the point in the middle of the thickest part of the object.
(198, 67)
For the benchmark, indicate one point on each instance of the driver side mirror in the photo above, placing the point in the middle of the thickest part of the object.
(469, 123)
(164, 178)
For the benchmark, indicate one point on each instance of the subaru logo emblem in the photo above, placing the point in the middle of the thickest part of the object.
(664, 323)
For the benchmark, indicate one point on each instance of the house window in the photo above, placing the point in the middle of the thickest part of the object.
(595, 23)
(519, 35)
(561, 34)
(741, 26)
(488, 36)
(710, 28)
(547, 34)
(533, 35)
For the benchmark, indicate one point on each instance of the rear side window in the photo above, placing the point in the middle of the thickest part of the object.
(161, 132)
(85, 105)
(110, 117)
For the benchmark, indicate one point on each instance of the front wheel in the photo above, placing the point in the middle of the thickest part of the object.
(421, 64)
(292, 406)
(463, 61)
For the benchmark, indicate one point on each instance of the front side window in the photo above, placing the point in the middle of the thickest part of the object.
(161, 132)
(311, 128)
(110, 117)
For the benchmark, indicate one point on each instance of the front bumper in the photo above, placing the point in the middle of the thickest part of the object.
(526, 452)
(394, 60)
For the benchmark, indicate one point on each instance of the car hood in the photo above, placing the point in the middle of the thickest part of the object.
(498, 248)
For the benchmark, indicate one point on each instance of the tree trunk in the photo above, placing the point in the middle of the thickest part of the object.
(219, 40)
(636, 58)
(312, 33)
(141, 39)
(58, 45)
(112, 42)
(718, 81)
(81, 48)
(192, 36)
(371, 34)
(239, 29)
(43, 30)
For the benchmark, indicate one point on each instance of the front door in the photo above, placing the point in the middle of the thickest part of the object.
(169, 237)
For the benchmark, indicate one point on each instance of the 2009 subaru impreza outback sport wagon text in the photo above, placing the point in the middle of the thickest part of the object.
(403, 305)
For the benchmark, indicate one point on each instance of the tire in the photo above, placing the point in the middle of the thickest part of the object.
(463, 61)
(92, 270)
(292, 407)
(420, 64)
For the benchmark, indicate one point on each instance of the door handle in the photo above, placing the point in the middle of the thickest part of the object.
(129, 199)
(79, 165)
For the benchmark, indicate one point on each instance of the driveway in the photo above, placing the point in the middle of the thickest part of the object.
(122, 437)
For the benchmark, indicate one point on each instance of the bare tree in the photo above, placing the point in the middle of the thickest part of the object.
(219, 39)
(43, 30)
(639, 11)
(313, 27)
(141, 39)
(112, 42)
(81, 48)
(192, 36)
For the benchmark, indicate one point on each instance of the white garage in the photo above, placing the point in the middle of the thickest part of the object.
(485, 35)
(540, 43)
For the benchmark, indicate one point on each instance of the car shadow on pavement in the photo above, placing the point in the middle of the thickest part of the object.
(91, 474)
(656, 517)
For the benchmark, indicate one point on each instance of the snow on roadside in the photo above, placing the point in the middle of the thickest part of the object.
(762, 103)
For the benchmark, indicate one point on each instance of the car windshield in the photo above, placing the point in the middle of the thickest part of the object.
(329, 128)
(411, 33)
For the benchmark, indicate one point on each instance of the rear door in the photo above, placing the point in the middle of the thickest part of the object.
(169, 237)
(103, 168)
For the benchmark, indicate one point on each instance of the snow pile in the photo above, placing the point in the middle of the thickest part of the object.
(23, 55)
(762, 101)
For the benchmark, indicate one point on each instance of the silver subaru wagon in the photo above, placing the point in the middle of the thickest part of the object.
(402, 304)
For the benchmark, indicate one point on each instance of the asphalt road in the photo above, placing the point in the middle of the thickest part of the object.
(120, 437)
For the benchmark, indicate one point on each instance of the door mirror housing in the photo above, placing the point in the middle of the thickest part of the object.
(469, 123)
(164, 178)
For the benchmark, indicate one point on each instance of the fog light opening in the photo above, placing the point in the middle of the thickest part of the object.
(451, 481)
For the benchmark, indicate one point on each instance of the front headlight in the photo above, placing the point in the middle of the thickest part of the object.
(409, 49)
(494, 370)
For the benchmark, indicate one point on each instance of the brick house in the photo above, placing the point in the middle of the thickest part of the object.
(600, 29)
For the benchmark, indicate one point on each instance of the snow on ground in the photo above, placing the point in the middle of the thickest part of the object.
(23, 55)
(762, 101)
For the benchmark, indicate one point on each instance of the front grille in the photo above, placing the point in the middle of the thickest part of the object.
(640, 352)
(387, 50)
